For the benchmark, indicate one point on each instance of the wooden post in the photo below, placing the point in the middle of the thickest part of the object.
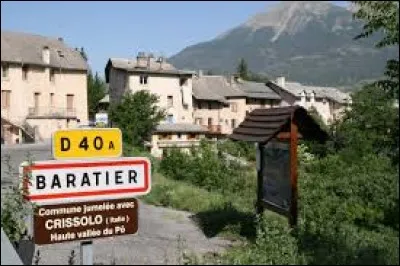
(293, 173)
(259, 204)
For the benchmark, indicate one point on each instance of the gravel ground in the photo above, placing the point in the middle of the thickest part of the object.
(163, 236)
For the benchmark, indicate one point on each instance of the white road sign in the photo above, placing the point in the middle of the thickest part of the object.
(77, 181)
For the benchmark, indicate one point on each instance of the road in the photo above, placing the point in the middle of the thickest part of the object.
(164, 234)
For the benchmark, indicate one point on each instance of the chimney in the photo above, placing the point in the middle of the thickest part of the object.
(141, 59)
(200, 73)
(280, 81)
(161, 61)
(149, 57)
(46, 55)
(312, 94)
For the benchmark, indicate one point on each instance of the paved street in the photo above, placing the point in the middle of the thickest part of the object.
(163, 236)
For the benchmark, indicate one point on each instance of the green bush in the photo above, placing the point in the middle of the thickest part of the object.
(274, 244)
(206, 168)
(239, 149)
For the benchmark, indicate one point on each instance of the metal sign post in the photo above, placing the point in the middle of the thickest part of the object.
(86, 253)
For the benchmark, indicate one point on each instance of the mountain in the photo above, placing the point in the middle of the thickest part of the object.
(309, 42)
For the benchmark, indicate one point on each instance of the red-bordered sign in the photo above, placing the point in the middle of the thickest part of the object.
(51, 182)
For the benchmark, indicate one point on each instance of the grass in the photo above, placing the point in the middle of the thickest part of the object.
(215, 213)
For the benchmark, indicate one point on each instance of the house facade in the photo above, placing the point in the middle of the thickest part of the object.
(329, 102)
(181, 136)
(43, 87)
(221, 103)
(172, 86)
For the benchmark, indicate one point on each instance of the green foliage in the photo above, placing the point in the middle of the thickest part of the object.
(14, 208)
(347, 210)
(240, 149)
(96, 90)
(274, 245)
(245, 74)
(136, 115)
(242, 69)
(382, 16)
(371, 126)
(379, 15)
(182, 195)
(204, 167)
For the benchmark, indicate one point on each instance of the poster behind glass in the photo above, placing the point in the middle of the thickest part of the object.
(276, 175)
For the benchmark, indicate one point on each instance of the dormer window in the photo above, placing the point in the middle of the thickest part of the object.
(143, 79)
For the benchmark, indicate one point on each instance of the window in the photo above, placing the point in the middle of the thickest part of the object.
(165, 136)
(51, 76)
(170, 101)
(51, 100)
(170, 119)
(271, 103)
(5, 71)
(233, 123)
(5, 99)
(179, 135)
(143, 79)
(192, 136)
(210, 121)
(199, 121)
(70, 103)
(25, 72)
(234, 107)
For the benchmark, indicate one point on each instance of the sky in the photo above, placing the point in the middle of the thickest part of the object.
(122, 29)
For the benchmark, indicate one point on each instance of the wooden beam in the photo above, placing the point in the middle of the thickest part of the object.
(293, 173)
(259, 204)
(287, 136)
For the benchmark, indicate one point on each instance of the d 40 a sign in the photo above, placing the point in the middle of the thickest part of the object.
(87, 143)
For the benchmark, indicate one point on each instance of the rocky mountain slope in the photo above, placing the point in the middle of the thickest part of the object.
(309, 42)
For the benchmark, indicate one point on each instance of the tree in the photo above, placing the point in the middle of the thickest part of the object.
(136, 115)
(83, 53)
(242, 69)
(257, 77)
(382, 16)
(96, 90)
(372, 124)
(373, 118)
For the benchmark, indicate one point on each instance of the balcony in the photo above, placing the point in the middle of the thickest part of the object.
(215, 129)
(178, 143)
(51, 112)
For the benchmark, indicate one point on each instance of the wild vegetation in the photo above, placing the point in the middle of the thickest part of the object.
(136, 114)
(348, 188)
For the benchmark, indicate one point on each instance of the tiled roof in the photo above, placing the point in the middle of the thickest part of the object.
(296, 89)
(258, 90)
(27, 48)
(135, 65)
(214, 88)
(261, 125)
(218, 88)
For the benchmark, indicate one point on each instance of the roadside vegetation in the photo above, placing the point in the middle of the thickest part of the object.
(348, 188)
